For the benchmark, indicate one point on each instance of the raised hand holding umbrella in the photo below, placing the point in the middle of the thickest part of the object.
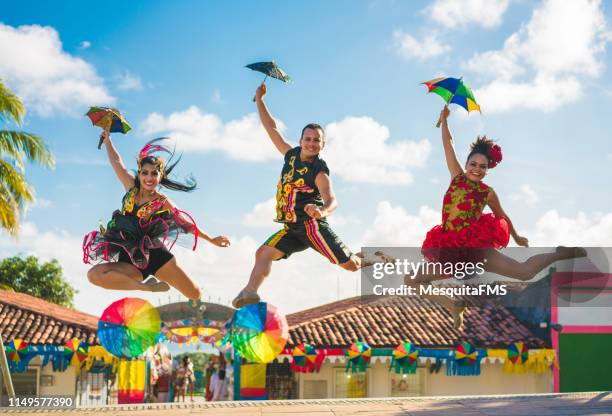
(269, 69)
(110, 119)
(453, 90)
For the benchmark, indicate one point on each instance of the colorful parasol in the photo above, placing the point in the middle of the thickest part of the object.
(76, 351)
(465, 354)
(453, 91)
(359, 354)
(270, 69)
(128, 327)
(306, 359)
(16, 350)
(405, 358)
(518, 353)
(259, 332)
(109, 119)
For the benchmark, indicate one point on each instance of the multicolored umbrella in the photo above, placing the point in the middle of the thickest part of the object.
(75, 352)
(16, 350)
(270, 69)
(128, 327)
(518, 353)
(405, 358)
(359, 354)
(109, 119)
(465, 354)
(453, 90)
(259, 332)
(306, 359)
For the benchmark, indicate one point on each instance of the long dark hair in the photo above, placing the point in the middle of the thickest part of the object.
(146, 157)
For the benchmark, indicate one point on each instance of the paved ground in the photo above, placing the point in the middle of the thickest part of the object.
(599, 403)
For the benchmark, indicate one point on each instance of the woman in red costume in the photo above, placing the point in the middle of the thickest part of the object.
(137, 241)
(468, 235)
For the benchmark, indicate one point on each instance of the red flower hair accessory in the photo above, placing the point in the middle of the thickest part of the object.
(495, 155)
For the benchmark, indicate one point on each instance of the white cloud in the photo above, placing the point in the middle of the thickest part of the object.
(127, 81)
(456, 13)
(195, 130)
(85, 44)
(408, 47)
(592, 229)
(262, 215)
(48, 80)
(357, 149)
(526, 195)
(354, 141)
(544, 64)
(393, 226)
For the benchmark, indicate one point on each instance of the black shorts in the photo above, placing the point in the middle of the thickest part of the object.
(296, 237)
(157, 258)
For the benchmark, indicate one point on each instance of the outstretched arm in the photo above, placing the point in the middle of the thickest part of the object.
(330, 203)
(125, 177)
(495, 205)
(268, 122)
(220, 241)
(454, 168)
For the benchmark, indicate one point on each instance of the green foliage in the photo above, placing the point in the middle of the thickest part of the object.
(45, 281)
(16, 148)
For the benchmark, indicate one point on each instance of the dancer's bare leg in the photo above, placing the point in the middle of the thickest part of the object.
(120, 276)
(356, 262)
(172, 274)
(499, 263)
(264, 256)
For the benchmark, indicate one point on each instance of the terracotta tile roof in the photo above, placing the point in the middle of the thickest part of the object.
(40, 322)
(387, 321)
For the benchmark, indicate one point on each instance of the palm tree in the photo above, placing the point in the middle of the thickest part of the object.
(16, 148)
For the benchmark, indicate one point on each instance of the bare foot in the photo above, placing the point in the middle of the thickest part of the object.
(154, 285)
(570, 252)
(245, 297)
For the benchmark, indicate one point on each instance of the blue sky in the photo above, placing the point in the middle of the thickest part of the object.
(539, 69)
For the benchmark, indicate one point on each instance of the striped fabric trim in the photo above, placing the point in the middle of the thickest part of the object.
(317, 240)
(275, 238)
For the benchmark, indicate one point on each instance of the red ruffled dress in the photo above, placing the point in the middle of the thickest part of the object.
(464, 228)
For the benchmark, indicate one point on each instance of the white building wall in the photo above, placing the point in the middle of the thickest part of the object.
(492, 380)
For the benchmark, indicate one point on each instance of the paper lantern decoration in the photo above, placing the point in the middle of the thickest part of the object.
(359, 354)
(518, 353)
(75, 352)
(405, 358)
(16, 350)
(465, 354)
(259, 332)
(128, 327)
(306, 359)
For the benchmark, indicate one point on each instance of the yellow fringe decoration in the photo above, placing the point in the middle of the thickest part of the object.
(538, 361)
(98, 352)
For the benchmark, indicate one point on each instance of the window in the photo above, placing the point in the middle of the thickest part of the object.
(350, 385)
(26, 383)
(403, 385)
(315, 389)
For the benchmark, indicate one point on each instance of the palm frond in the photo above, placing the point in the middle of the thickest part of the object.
(9, 211)
(18, 144)
(11, 107)
(15, 185)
